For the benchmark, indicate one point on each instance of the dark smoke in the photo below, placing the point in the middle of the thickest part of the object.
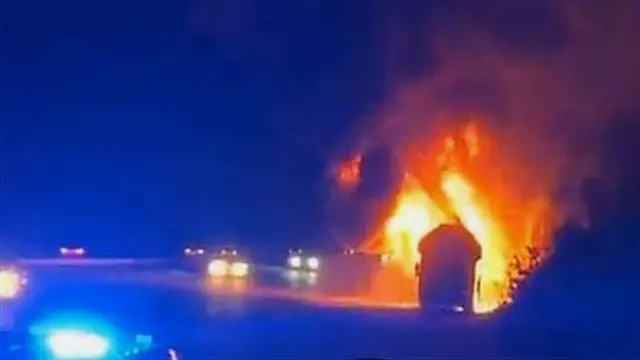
(548, 78)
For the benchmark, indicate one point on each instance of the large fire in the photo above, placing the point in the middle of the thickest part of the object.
(451, 181)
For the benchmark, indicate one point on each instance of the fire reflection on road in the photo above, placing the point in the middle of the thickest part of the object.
(318, 289)
(228, 285)
(297, 279)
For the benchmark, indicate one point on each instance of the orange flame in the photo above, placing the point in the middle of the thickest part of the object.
(491, 269)
(414, 216)
(415, 213)
(348, 173)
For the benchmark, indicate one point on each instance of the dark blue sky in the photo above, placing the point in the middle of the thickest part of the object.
(129, 123)
(145, 122)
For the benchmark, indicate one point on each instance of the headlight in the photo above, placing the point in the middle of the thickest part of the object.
(313, 263)
(295, 261)
(10, 282)
(239, 269)
(218, 267)
(77, 344)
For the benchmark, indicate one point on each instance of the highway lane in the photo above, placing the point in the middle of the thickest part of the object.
(338, 282)
(268, 317)
(212, 322)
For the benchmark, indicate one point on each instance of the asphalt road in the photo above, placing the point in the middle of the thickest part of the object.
(266, 318)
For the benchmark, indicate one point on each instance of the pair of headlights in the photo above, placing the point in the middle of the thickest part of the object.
(300, 262)
(222, 267)
(72, 251)
(192, 252)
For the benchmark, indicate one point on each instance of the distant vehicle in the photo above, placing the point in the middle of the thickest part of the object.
(298, 260)
(72, 252)
(446, 269)
(194, 251)
(228, 263)
(228, 251)
(382, 258)
(349, 251)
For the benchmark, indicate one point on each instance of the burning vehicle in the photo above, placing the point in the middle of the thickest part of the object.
(451, 230)
(448, 256)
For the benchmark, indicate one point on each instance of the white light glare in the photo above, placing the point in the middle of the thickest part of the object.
(295, 261)
(77, 344)
(218, 267)
(313, 263)
(239, 269)
(9, 284)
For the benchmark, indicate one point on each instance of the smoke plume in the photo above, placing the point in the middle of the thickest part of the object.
(544, 78)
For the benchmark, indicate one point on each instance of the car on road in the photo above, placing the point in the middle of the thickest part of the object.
(301, 261)
(194, 251)
(72, 252)
(194, 258)
(228, 262)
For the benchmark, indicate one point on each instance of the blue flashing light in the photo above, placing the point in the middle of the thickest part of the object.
(75, 336)
(68, 344)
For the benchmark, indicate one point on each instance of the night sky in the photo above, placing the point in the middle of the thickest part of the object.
(155, 122)
(135, 126)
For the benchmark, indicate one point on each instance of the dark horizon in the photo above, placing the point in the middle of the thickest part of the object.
(130, 122)
(140, 127)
